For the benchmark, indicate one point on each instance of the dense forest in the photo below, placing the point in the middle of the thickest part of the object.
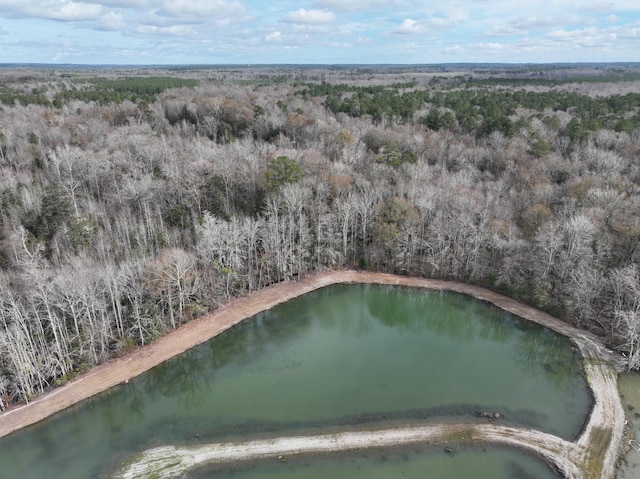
(134, 200)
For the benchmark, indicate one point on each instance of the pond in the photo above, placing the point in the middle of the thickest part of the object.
(343, 357)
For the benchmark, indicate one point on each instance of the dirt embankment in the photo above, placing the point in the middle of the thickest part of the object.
(172, 461)
(593, 455)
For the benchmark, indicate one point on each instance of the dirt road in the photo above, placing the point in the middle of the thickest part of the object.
(593, 455)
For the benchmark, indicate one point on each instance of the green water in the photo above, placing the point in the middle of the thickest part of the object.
(342, 357)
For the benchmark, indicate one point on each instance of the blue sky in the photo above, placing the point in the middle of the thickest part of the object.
(318, 31)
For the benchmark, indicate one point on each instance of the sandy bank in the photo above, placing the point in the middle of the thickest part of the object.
(172, 461)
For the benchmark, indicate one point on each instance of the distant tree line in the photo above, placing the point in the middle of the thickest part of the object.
(480, 110)
(99, 90)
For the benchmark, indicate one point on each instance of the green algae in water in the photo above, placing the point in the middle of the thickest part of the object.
(465, 462)
(344, 357)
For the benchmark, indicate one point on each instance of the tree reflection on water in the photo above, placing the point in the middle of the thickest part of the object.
(268, 346)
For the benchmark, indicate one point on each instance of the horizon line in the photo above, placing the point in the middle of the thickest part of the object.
(307, 65)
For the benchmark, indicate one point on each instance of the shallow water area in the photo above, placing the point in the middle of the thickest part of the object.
(414, 463)
(341, 357)
(629, 386)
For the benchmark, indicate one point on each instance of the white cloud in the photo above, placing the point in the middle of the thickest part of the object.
(454, 49)
(410, 27)
(128, 11)
(313, 29)
(597, 7)
(112, 21)
(51, 9)
(412, 47)
(352, 5)
(309, 16)
(630, 33)
(505, 31)
(72, 11)
(413, 27)
(124, 3)
(376, 30)
(219, 12)
(487, 46)
(173, 30)
(586, 44)
(199, 8)
(546, 22)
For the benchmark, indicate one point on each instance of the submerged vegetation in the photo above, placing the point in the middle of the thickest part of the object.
(133, 200)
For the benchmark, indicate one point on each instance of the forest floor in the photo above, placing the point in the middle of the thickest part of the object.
(593, 454)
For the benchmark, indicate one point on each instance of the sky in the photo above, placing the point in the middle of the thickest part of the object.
(170, 32)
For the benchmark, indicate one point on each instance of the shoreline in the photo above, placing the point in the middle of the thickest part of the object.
(598, 445)
(171, 461)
